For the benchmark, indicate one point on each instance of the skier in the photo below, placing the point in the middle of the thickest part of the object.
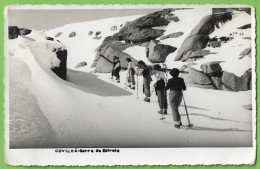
(176, 86)
(159, 85)
(145, 71)
(130, 74)
(116, 69)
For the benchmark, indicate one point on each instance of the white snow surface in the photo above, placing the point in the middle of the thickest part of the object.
(91, 110)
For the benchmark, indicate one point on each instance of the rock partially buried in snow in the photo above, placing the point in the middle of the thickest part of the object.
(215, 44)
(245, 52)
(90, 33)
(159, 52)
(24, 31)
(113, 28)
(247, 26)
(248, 107)
(81, 64)
(61, 70)
(72, 34)
(211, 68)
(58, 34)
(174, 18)
(49, 38)
(172, 35)
(98, 32)
(199, 53)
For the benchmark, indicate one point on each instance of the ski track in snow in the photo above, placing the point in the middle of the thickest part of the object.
(91, 110)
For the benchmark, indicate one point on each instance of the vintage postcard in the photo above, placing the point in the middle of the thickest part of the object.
(130, 85)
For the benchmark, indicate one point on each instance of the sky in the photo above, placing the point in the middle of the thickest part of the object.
(49, 19)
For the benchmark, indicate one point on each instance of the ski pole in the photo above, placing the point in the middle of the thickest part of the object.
(137, 86)
(189, 124)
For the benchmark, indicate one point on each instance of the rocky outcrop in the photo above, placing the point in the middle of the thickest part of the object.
(140, 30)
(198, 38)
(13, 32)
(72, 34)
(105, 52)
(81, 64)
(61, 71)
(172, 35)
(218, 80)
(211, 68)
(159, 52)
(196, 78)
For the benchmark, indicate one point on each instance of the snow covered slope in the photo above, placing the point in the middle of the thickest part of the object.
(90, 110)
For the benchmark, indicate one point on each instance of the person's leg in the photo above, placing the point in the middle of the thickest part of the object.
(160, 99)
(175, 100)
(146, 89)
(132, 76)
(165, 102)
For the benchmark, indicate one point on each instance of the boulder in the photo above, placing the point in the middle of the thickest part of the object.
(196, 78)
(49, 38)
(13, 32)
(61, 71)
(141, 29)
(98, 32)
(191, 44)
(172, 35)
(248, 107)
(245, 26)
(211, 68)
(247, 80)
(159, 52)
(72, 34)
(24, 31)
(143, 35)
(245, 52)
(174, 18)
(198, 38)
(58, 34)
(199, 53)
(232, 82)
(215, 44)
(106, 51)
(113, 28)
(90, 33)
(81, 64)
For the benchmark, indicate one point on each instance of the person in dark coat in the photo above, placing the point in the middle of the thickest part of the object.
(145, 71)
(116, 69)
(159, 86)
(176, 86)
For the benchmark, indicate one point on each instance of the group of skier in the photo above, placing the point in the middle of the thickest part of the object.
(175, 84)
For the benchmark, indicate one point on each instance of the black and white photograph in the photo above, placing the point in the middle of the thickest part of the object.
(130, 77)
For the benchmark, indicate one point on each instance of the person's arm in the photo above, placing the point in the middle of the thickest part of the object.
(117, 65)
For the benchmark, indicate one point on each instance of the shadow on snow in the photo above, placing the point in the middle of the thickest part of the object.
(89, 83)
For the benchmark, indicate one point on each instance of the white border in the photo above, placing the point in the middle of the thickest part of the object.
(131, 156)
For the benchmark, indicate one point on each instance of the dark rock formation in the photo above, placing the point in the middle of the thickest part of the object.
(61, 71)
(198, 38)
(219, 10)
(49, 38)
(172, 35)
(159, 52)
(13, 32)
(211, 68)
(245, 26)
(98, 32)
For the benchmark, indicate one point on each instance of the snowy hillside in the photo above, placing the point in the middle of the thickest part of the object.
(91, 110)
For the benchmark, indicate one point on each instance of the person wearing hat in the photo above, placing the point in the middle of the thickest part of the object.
(116, 69)
(130, 74)
(176, 86)
(145, 71)
(159, 86)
